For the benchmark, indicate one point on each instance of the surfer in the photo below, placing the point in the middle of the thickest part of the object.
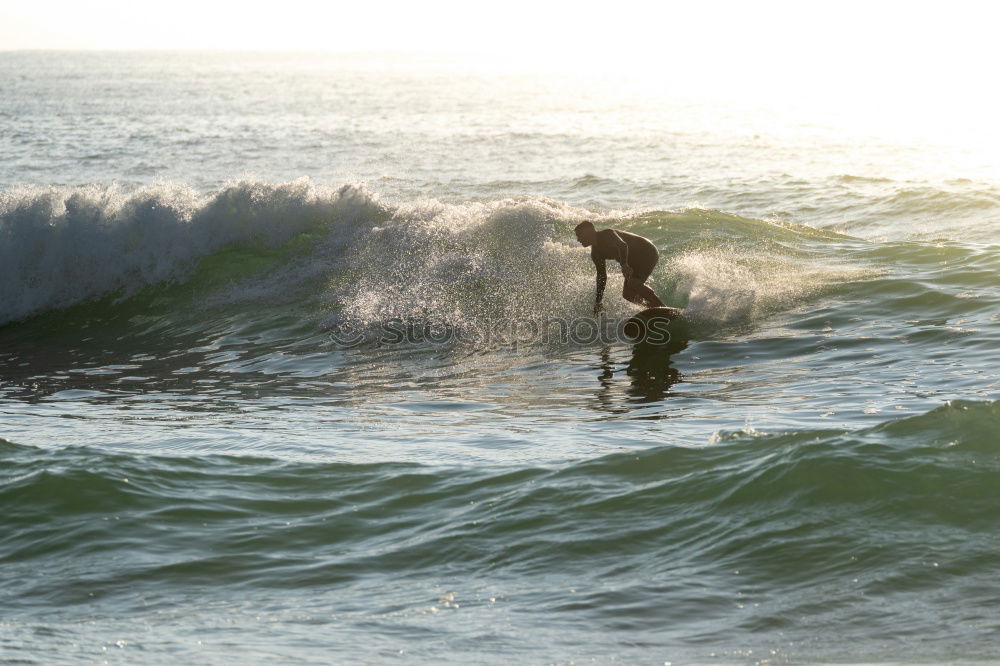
(637, 256)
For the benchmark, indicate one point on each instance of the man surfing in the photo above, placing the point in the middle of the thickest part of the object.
(637, 256)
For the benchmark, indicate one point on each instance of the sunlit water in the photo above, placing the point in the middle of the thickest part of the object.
(210, 449)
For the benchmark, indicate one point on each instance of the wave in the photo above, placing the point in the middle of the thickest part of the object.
(782, 506)
(353, 257)
(930, 201)
(60, 247)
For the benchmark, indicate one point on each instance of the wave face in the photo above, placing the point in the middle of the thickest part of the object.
(455, 263)
(348, 259)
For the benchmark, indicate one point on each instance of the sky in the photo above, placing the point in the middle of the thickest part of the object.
(913, 62)
(765, 30)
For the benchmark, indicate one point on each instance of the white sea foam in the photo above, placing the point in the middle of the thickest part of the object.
(60, 247)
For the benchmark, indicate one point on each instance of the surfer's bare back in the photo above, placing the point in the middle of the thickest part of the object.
(637, 256)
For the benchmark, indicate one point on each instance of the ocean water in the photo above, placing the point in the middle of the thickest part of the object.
(297, 365)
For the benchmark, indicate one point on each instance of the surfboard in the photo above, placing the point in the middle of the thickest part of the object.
(658, 326)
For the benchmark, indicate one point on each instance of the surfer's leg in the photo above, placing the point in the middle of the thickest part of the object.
(638, 293)
(635, 290)
(629, 293)
(650, 296)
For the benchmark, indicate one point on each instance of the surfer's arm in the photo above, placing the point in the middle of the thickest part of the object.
(602, 280)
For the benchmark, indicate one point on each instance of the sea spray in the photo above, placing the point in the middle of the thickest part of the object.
(738, 285)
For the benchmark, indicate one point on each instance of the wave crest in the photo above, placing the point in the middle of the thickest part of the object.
(63, 246)
(367, 262)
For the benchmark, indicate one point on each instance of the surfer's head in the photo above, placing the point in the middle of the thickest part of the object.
(585, 233)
